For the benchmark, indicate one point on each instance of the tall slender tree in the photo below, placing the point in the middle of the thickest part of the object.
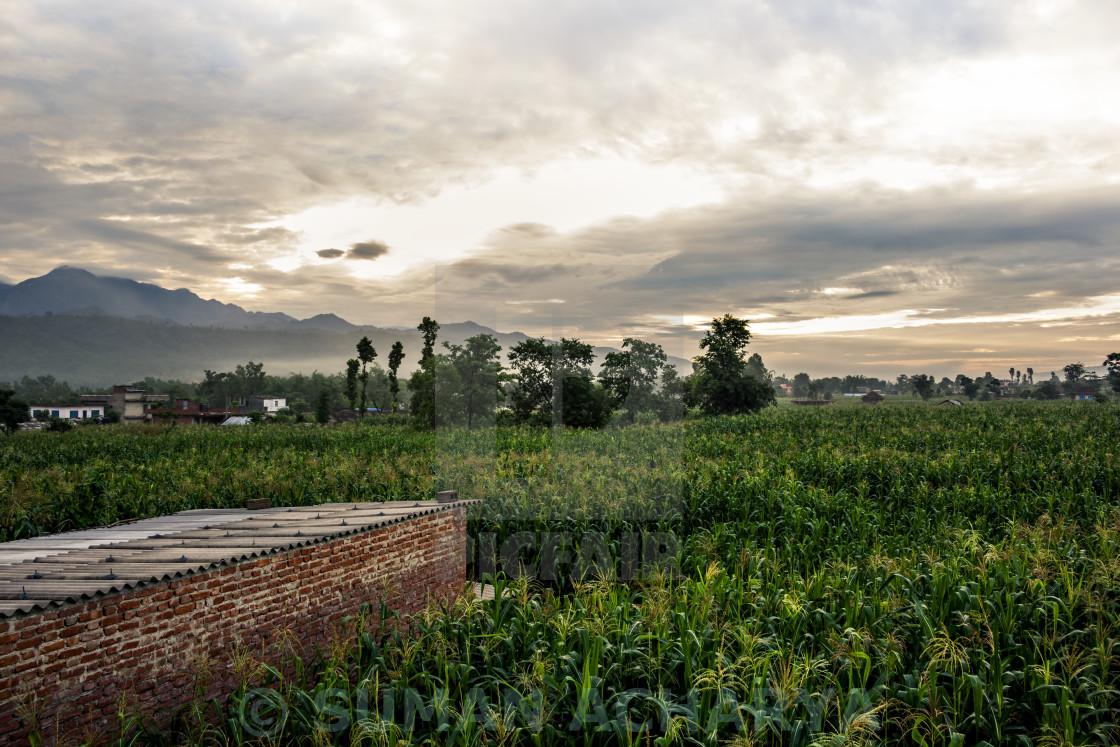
(366, 354)
(352, 367)
(396, 355)
(428, 328)
(422, 383)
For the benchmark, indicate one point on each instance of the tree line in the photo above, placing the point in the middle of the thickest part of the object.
(543, 382)
(552, 383)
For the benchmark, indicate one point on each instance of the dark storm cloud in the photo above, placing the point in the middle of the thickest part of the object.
(874, 294)
(367, 250)
(330, 253)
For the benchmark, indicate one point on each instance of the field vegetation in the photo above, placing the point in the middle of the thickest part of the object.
(845, 575)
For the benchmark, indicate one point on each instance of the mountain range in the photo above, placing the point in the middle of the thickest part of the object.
(96, 331)
(69, 290)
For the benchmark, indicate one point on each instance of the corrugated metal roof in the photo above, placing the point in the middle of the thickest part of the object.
(38, 573)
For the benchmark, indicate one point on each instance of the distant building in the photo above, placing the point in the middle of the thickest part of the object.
(1083, 393)
(188, 412)
(950, 403)
(872, 398)
(69, 412)
(265, 403)
(238, 420)
(130, 402)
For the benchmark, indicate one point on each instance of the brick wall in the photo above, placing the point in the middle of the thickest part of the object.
(73, 663)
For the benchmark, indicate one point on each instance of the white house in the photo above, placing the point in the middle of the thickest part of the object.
(265, 403)
(70, 412)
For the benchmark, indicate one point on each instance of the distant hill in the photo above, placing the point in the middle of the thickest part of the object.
(69, 290)
(100, 350)
(98, 331)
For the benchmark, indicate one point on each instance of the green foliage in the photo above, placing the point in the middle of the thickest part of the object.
(801, 382)
(722, 384)
(422, 383)
(352, 368)
(585, 404)
(396, 357)
(249, 378)
(428, 328)
(969, 387)
(1047, 390)
(923, 385)
(550, 379)
(13, 411)
(469, 385)
(630, 377)
(323, 407)
(58, 425)
(45, 390)
(1112, 363)
(366, 354)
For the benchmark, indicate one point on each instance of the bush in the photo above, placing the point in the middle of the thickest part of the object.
(59, 425)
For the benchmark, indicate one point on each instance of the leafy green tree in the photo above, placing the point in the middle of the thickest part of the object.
(213, 387)
(630, 377)
(801, 384)
(478, 370)
(44, 390)
(671, 397)
(323, 407)
(352, 373)
(969, 387)
(1047, 390)
(552, 381)
(1074, 372)
(722, 385)
(366, 354)
(585, 403)
(923, 385)
(756, 369)
(13, 411)
(1112, 363)
(396, 356)
(250, 378)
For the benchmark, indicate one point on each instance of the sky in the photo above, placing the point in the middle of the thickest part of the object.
(880, 187)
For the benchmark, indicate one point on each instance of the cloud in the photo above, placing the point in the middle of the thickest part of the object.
(367, 250)
(957, 157)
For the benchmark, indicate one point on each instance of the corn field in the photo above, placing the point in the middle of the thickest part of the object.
(841, 576)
